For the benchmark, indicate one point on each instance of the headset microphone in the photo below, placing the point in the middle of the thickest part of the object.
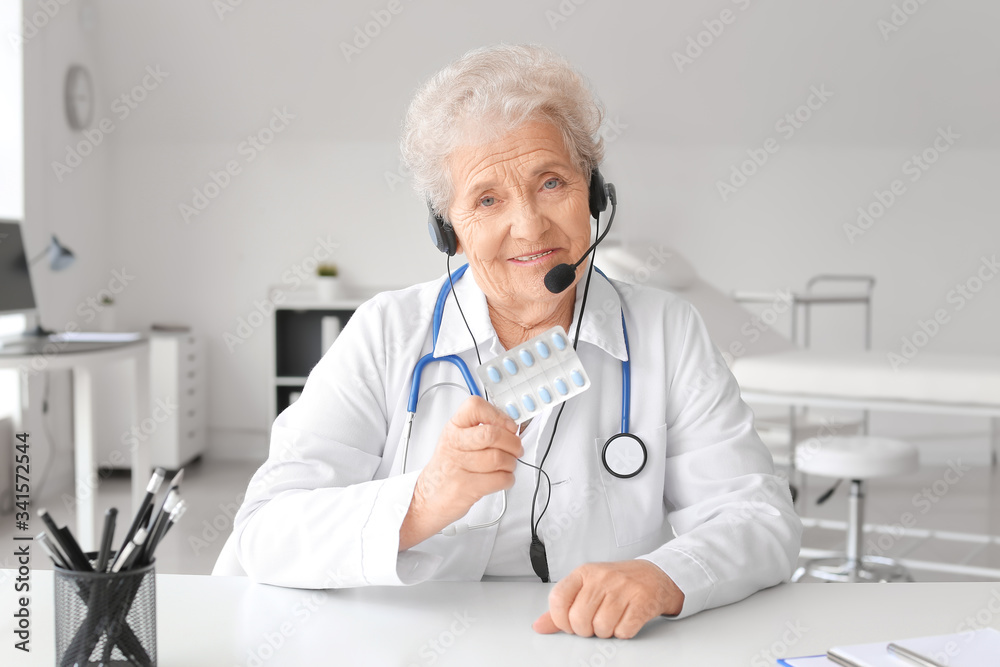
(562, 276)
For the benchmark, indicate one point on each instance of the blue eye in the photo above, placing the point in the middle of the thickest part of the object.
(488, 201)
(551, 183)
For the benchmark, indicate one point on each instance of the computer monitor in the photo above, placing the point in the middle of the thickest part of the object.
(16, 295)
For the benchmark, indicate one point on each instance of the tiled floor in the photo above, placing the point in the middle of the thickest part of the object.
(214, 489)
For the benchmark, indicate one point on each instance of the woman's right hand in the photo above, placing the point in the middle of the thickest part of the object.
(475, 456)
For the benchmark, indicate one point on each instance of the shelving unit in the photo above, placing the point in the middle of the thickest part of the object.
(303, 329)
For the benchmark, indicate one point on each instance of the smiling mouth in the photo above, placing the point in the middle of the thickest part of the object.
(531, 258)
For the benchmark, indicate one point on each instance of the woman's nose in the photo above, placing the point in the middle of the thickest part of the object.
(528, 222)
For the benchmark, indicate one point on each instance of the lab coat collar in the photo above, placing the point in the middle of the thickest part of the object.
(602, 324)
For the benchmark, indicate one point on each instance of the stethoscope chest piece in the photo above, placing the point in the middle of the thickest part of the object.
(624, 455)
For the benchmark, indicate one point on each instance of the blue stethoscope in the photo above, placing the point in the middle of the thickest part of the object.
(624, 454)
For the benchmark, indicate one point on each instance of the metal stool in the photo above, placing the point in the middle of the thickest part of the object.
(856, 458)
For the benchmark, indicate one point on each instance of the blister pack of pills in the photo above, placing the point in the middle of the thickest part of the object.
(534, 376)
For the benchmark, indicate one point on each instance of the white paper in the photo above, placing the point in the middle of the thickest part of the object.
(94, 337)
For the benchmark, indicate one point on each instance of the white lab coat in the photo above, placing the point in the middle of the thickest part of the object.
(324, 510)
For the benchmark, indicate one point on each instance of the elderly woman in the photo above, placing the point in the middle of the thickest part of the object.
(504, 145)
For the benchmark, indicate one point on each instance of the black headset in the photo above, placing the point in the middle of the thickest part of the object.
(443, 234)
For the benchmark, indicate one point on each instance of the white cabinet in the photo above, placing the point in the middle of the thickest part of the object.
(177, 428)
(178, 388)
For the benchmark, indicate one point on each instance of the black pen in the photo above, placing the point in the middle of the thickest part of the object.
(52, 551)
(175, 515)
(55, 533)
(106, 537)
(154, 485)
(73, 550)
(165, 509)
(144, 521)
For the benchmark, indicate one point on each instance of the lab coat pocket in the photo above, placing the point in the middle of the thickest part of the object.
(636, 503)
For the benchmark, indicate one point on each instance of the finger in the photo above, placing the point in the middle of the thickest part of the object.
(561, 599)
(487, 460)
(476, 410)
(497, 481)
(585, 606)
(488, 436)
(544, 624)
(631, 622)
(608, 615)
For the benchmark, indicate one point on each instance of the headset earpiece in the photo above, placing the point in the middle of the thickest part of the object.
(442, 233)
(598, 193)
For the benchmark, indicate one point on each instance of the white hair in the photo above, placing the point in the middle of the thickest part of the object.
(488, 93)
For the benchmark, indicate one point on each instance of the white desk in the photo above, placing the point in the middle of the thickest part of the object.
(216, 621)
(82, 358)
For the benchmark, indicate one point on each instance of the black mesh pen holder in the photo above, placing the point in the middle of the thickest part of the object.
(105, 618)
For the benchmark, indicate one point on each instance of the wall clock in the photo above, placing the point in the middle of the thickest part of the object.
(79, 96)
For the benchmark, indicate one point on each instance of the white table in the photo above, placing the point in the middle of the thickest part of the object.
(214, 621)
(83, 358)
(932, 383)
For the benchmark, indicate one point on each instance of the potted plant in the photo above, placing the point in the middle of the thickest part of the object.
(327, 282)
(107, 311)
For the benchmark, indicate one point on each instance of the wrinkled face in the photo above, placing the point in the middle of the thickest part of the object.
(520, 208)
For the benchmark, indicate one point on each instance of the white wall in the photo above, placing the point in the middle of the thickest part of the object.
(333, 170)
(11, 167)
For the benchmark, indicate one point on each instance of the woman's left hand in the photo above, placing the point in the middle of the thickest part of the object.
(610, 600)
